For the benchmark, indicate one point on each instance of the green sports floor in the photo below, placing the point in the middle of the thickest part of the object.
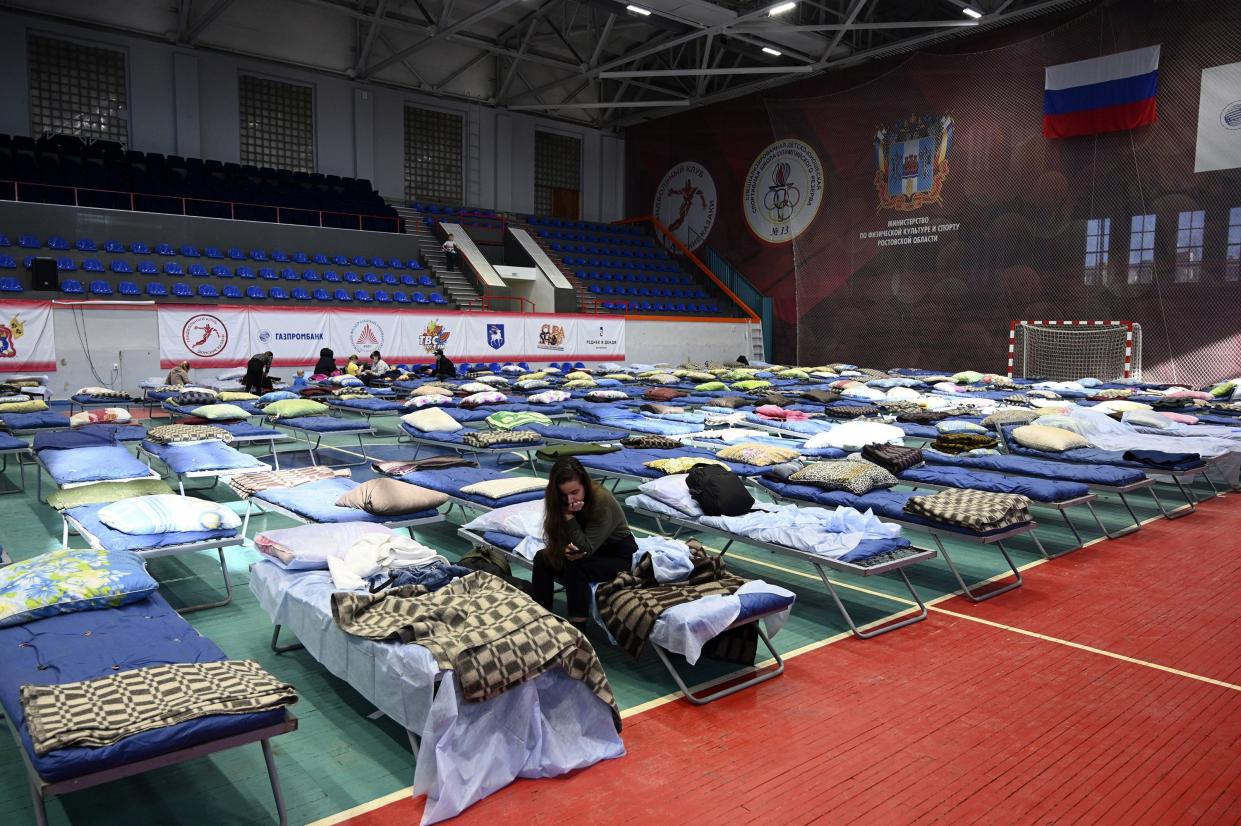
(341, 756)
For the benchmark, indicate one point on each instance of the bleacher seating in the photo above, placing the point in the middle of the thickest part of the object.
(10, 285)
(70, 286)
(128, 288)
(157, 290)
(100, 288)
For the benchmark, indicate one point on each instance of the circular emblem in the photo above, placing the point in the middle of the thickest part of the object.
(685, 203)
(204, 335)
(367, 335)
(264, 336)
(1230, 116)
(783, 190)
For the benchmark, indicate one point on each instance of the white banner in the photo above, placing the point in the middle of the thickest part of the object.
(1219, 119)
(212, 336)
(27, 337)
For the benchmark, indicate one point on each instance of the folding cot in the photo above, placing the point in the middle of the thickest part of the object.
(91, 644)
(245, 433)
(367, 408)
(455, 442)
(82, 401)
(317, 427)
(316, 502)
(76, 466)
(630, 463)
(667, 640)
(544, 727)
(84, 521)
(18, 424)
(888, 505)
(11, 446)
(210, 459)
(186, 411)
(450, 481)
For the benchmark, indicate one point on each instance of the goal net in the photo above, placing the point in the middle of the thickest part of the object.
(1070, 350)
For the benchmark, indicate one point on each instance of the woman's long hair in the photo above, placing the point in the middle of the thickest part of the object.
(566, 469)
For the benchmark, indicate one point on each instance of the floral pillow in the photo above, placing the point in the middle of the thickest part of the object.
(606, 395)
(64, 581)
(428, 401)
(533, 384)
(854, 477)
(479, 399)
(100, 415)
(752, 453)
(549, 397)
(472, 387)
(579, 384)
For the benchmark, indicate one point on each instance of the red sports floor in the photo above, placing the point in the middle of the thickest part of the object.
(1104, 690)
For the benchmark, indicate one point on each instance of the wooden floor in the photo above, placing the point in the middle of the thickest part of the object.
(1105, 690)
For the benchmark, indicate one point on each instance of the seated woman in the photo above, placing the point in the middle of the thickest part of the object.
(588, 539)
(179, 375)
(326, 365)
(378, 366)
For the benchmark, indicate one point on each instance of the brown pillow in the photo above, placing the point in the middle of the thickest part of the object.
(778, 399)
(731, 402)
(822, 396)
(663, 394)
(390, 497)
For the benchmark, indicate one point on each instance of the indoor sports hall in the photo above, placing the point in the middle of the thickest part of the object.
(592, 412)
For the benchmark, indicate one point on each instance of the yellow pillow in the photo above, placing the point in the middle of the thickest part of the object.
(681, 465)
(500, 488)
(576, 375)
(1042, 437)
(752, 453)
(32, 406)
(234, 396)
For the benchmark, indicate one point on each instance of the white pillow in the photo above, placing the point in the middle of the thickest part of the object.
(166, 513)
(493, 380)
(308, 547)
(93, 391)
(1146, 418)
(550, 397)
(499, 488)
(857, 434)
(431, 420)
(522, 519)
(471, 387)
(673, 491)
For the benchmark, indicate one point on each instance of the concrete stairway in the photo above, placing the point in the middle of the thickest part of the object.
(458, 288)
(587, 302)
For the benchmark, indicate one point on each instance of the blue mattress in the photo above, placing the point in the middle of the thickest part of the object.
(246, 430)
(571, 433)
(8, 443)
(913, 430)
(464, 416)
(525, 407)
(368, 405)
(1042, 468)
(456, 439)
(1040, 490)
(888, 504)
(631, 461)
(34, 421)
(92, 464)
(203, 456)
(451, 480)
(316, 501)
(804, 427)
(113, 540)
(1094, 456)
(161, 395)
(98, 435)
(82, 646)
(325, 424)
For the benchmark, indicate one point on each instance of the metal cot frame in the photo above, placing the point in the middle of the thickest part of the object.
(43, 469)
(265, 507)
(313, 447)
(215, 475)
(526, 450)
(18, 453)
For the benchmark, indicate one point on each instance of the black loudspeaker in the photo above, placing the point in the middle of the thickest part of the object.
(43, 275)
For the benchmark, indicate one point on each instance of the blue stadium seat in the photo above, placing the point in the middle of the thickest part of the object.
(231, 291)
(213, 252)
(92, 265)
(299, 294)
(419, 298)
(400, 297)
(244, 272)
(182, 290)
(173, 268)
(436, 298)
(57, 243)
(341, 295)
(198, 271)
(258, 255)
(83, 245)
(139, 248)
(390, 279)
(371, 278)
(279, 257)
(7, 262)
(4, 240)
(121, 266)
(290, 274)
(268, 274)
(221, 271)
(320, 259)
(351, 277)
(10, 285)
(65, 264)
(360, 261)
(28, 242)
(414, 265)
(378, 263)
(207, 291)
(190, 252)
(310, 275)
(147, 268)
(397, 264)
(382, 297)
(157, 290)
(321, 295)
(595, 289)
(128, 288)
(165, 250)
(331, 277)
(409, 281)
(278, 294)
(236, 254)
(299, 257)
(426, 281)
(255, 292)
(362, 295)
(340, 260)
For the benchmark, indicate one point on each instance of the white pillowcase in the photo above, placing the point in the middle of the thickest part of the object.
(522, 519)
(308, 547)
(431, 420)
(550, 397)
(673, 491)
(857, 434)
(165, 513)
(499, 488)
(475, 387)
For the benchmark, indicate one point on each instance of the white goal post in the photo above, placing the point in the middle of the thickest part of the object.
(1068, 350)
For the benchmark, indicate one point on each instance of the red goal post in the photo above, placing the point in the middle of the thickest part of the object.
(1116, 347)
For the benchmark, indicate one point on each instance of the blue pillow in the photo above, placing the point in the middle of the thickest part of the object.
(68, 580)
(277, 395)
(608, 382)
(1089, 382)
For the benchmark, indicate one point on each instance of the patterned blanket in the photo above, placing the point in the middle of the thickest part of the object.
(630, 604)
(246, 485)
(500, 438)
(490, 633)
(400, 468)
(98, 712)
(975, 509)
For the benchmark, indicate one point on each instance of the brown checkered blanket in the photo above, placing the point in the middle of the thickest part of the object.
(490, 633)
(246, 485)
(630, 604)
(98, 712)
(975, 509)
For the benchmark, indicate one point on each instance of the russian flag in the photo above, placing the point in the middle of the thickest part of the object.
(1103, 94)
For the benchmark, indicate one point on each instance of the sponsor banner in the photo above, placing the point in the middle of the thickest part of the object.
(27, 337)
(503, 337)
(205, 336)
(293, 337)
(783, 191)
(600, 337)
(685, 203)
(1219, 119)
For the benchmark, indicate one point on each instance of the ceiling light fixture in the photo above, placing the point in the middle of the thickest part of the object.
(970, 11)
(771, 51)
(781, 9)
(638, 10)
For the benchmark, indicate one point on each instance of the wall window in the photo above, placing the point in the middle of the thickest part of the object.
(1142, 249)
(77, 90)
(277, 123)
(1189, 246)
(433, 156)
(1098, 236)
(557, 174)
(1232, 266)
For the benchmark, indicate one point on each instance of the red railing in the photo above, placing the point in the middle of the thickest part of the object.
(183, 200)
(488, 300)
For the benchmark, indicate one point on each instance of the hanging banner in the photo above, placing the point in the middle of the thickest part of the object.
(27, 337)
(213, 336)
(205, 336)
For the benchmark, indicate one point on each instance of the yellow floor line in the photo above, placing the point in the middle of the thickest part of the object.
(363, 808)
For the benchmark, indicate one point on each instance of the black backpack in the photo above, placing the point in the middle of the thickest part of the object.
(718, 491)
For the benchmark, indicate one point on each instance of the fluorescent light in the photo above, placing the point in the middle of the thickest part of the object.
(771, 51)
(781, 9)
(638, 10)
(970, 11)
